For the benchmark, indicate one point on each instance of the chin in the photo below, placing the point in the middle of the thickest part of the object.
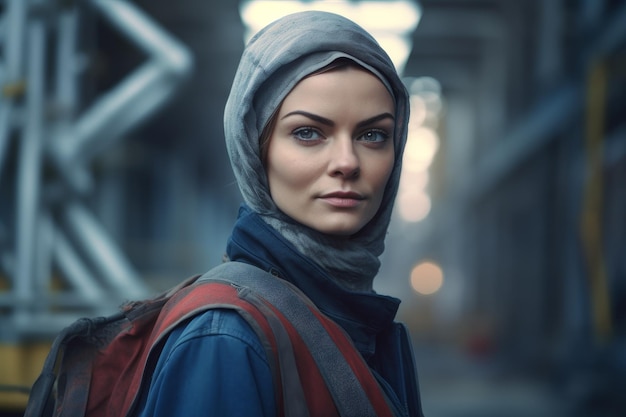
(343, 229)
(335, 224)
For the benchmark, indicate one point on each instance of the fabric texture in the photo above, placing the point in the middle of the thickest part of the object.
(273, 62)
(213, 366)
(362, 314)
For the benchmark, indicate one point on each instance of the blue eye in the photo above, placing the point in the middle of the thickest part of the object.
(374, 136)
(306, 134)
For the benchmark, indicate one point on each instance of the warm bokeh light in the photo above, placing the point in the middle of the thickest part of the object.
(426, 278)
(414, 180)
(418, 112)
(421, 147)
(413, 205)
(370, 14)
(391, 22)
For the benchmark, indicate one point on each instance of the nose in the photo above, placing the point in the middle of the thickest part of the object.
(344, 160)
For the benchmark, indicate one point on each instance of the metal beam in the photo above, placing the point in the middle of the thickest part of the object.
(97, 271)
(132, 101)
(29, 169)
(11, 77)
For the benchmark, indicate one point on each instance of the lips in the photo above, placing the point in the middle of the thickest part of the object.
(343, 199)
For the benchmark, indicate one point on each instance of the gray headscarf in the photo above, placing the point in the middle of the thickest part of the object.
(273, 62)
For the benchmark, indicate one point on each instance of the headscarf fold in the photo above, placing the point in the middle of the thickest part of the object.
(273, 62)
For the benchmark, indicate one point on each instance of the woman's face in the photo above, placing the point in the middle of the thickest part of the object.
(331, 151)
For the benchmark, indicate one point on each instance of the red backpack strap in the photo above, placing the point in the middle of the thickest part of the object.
(184, 305)
(349, 381)
(316, 368)
(303, 389)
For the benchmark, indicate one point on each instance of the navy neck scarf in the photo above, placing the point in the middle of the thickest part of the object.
(363, 315)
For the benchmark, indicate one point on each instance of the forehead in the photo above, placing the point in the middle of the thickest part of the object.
(347, 82)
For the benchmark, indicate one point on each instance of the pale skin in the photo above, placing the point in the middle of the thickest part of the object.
(331, 151)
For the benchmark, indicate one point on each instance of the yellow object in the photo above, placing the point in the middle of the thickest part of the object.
(591, 219)
(15, 89)
(20, 365)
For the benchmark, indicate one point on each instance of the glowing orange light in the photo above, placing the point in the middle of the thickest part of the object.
(426, 278)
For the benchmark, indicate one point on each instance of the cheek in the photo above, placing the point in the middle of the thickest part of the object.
(281, 176)
(284, 173)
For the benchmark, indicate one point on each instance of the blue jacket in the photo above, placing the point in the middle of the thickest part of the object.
(215, 365)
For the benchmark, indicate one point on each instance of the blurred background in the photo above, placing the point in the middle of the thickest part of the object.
(508, 243)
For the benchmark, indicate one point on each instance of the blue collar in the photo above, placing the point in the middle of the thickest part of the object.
(362, 315)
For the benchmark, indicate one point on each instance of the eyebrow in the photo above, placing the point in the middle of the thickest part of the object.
(329, 122)
(311, 116)
(375, 119)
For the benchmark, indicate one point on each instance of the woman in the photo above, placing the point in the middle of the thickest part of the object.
(315, 127)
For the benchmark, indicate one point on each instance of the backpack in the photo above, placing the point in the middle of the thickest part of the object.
(98, 366)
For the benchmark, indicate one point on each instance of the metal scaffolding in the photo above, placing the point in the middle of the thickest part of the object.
(53, 228)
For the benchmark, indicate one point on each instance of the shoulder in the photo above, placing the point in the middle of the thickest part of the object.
(206, 366)
(214, 327)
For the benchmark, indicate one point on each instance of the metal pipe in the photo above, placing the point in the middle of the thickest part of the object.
(102, 252)
(74, 174)
(72, 267)
(7, 259)
(132, 101)
(43, 258)
(29, 169)
(14, 47)
(66, 300)
(147, 35)
(135, 98)
(66, 65)
(44, 324)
